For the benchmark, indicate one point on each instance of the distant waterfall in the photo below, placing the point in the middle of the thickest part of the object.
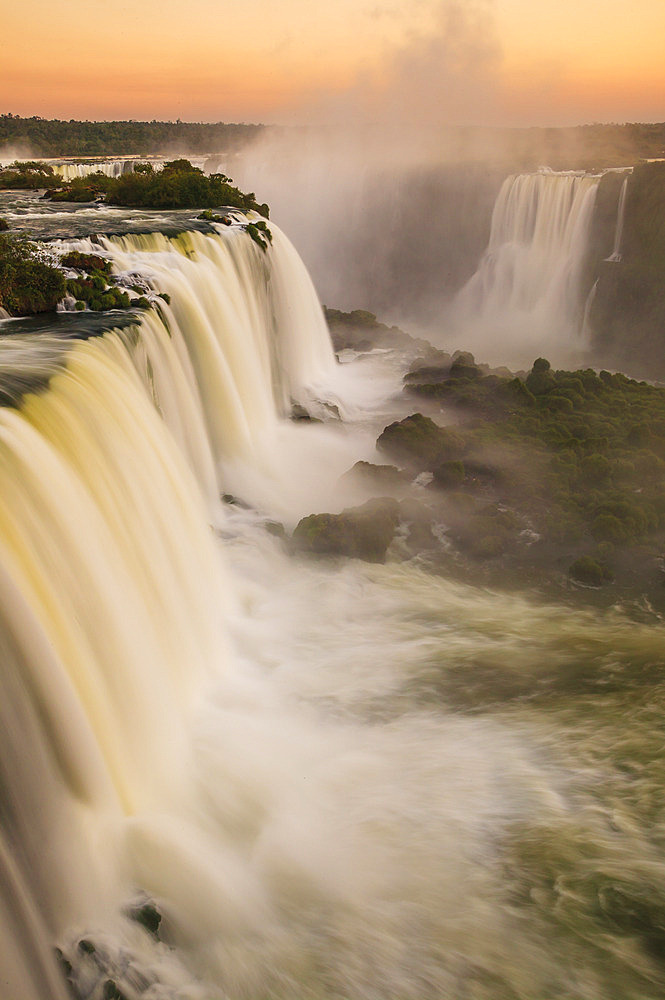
(112, 168)
(529, 284)
(615, 256)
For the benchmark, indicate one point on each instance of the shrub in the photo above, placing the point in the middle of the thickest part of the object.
(27, 285)
(587, 570)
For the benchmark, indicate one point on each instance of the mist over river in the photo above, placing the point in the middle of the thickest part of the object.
(328, 779)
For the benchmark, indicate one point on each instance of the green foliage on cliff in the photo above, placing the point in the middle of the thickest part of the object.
(579, 456)
(27, 284)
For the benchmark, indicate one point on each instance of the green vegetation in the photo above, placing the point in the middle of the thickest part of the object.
(363, 532)
(28, 175)
(177, 185)
(72, 138)
(95, 288)
(28, 285)
(81, 189)
(587, 146)
(418, 442)
(259, 232)
(565, 468)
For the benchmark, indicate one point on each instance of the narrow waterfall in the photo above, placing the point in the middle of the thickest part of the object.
(528, 290)
(615, 256)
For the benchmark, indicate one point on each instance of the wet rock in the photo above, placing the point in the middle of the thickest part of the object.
(419, 443)
(299, 413)
(417, 518)
(111, 991)
(449, 474)
(363, 532)
(464, 366)
(429, 374)
(386, 478)
(147, 915)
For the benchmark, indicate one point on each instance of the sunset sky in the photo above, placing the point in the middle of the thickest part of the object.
(511, 62)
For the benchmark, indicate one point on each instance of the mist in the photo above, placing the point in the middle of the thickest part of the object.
(389, 190)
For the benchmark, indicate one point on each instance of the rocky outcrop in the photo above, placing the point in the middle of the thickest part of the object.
(363, 532)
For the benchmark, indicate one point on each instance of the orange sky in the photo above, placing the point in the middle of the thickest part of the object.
(480, 61)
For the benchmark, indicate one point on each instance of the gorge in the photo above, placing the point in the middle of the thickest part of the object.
(231, 771)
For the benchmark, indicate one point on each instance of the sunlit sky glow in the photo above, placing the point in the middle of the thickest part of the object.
(511, 62)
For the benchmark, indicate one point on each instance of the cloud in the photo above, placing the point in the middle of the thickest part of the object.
(447, 75)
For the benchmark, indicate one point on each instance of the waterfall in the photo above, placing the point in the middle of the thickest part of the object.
(113, 593)
(112, 168)
(615, 256)
(528, 289)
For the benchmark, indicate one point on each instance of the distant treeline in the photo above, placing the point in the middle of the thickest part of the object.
(581, 147)
(44, 137)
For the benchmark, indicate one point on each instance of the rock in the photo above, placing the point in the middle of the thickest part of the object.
(590, 572)
(419, 443)
(363, 532)
(464, 366)
(147, 915)
(111, 991)
(276, 528)
(449, 474)
(418, 519)
(298, 412)
(385, 478)
(235, 501)
(429, 374)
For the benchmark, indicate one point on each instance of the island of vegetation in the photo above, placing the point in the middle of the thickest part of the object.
(553, 479)
(29, 284)
(177, 184)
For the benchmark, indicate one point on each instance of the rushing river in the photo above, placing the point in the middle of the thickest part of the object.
(332, 779)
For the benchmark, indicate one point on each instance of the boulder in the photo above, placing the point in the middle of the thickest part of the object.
(363, 532)
(384, 478)
(419, 443)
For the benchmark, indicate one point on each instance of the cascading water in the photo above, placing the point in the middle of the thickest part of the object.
(615, 256)
(280, 753)
(111, 168)
(527, 293)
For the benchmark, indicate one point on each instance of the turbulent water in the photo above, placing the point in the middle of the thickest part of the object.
(334, 780)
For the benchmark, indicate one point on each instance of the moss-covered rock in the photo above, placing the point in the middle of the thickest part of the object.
(383, 478)
(449, 474)
(419, 443)
(363, 532)
(590, 572)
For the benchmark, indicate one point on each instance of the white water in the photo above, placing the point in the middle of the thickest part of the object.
(615, 256)
(112, 168)
(527, 294)
(260, 743)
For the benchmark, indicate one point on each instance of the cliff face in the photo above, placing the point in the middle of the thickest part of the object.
(627, 315)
